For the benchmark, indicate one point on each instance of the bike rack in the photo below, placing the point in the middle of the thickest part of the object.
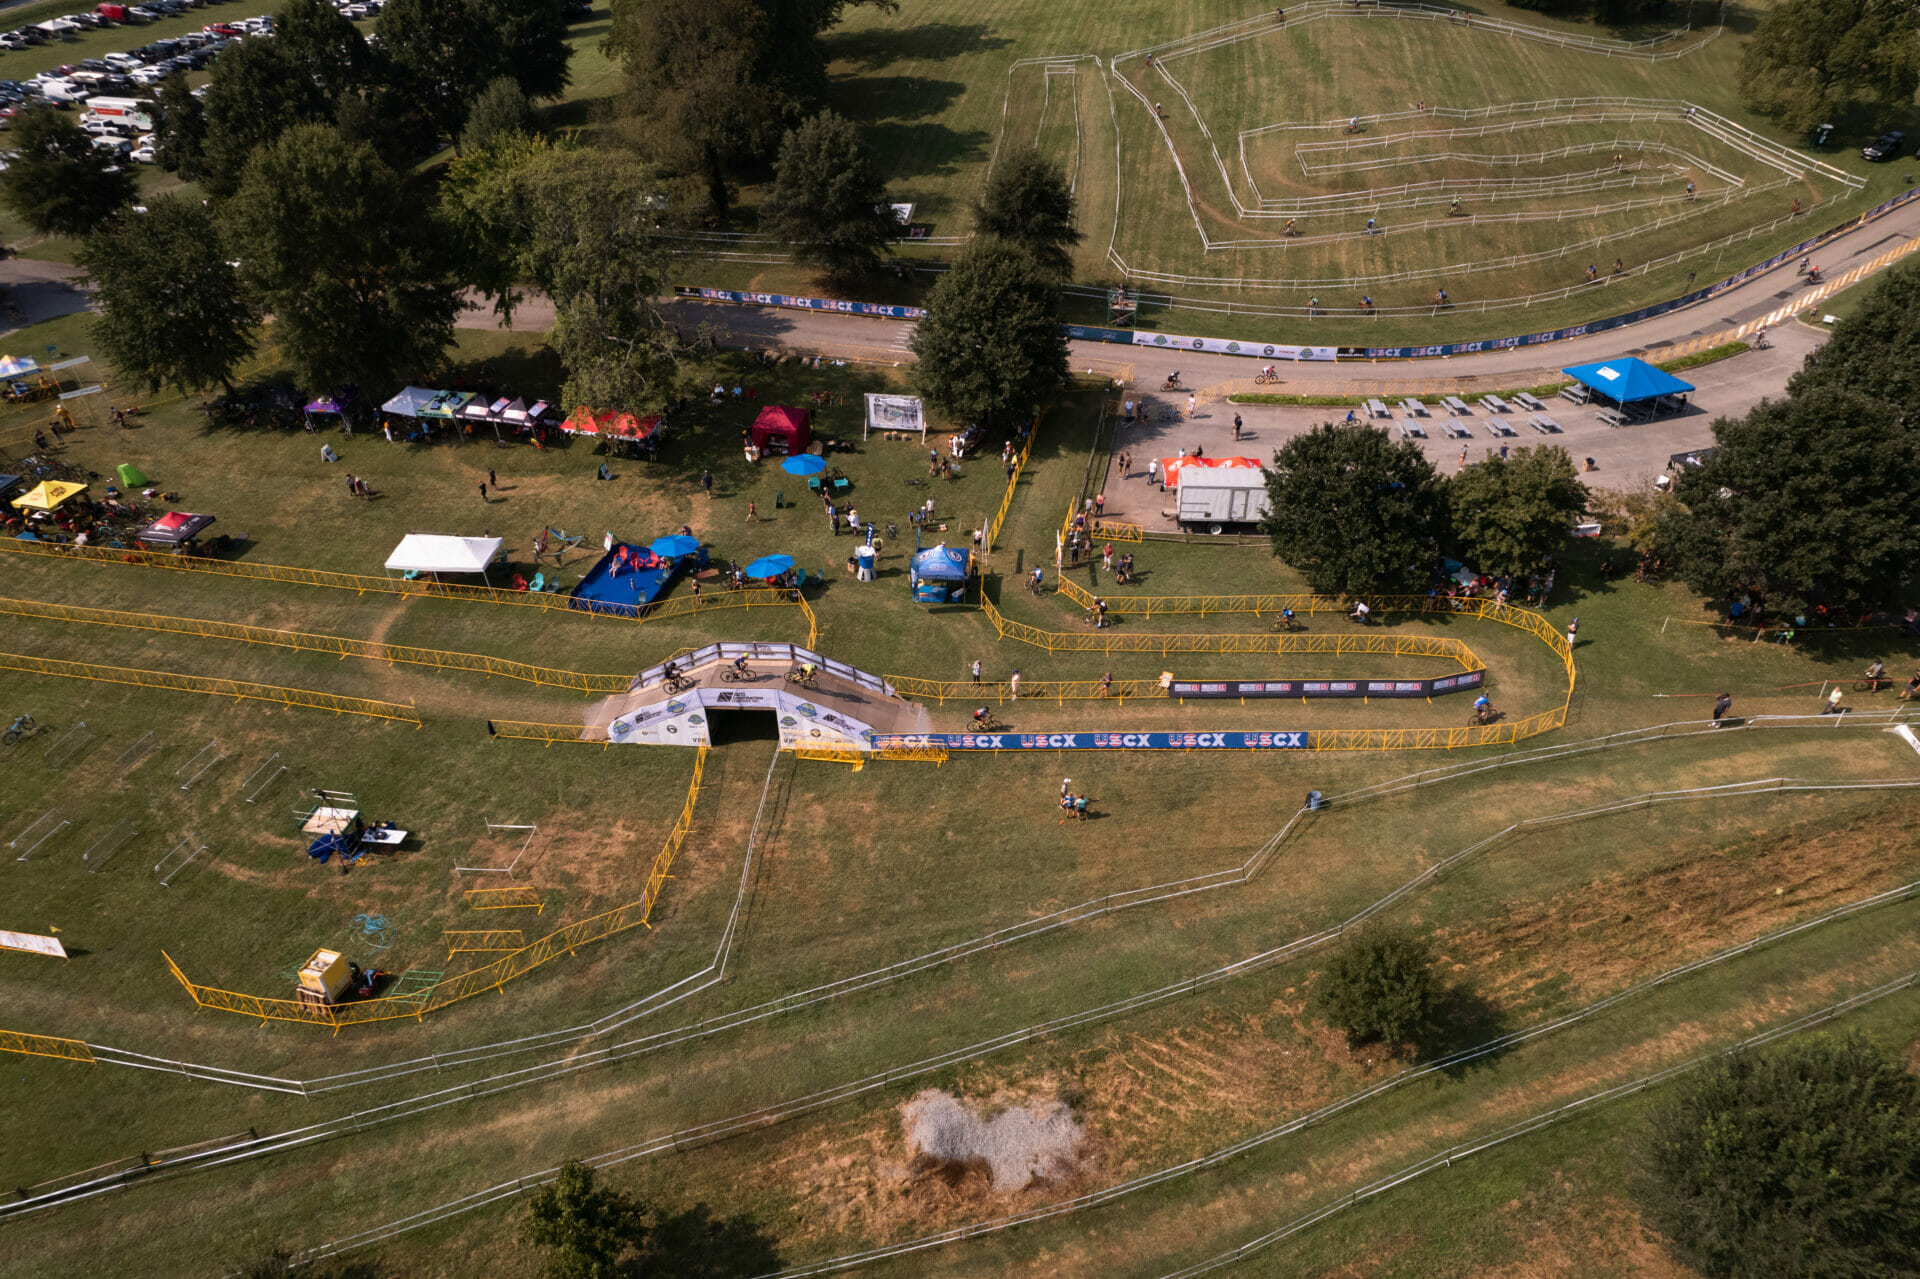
(69, 745)
(35, 825)
(107, 845)
(274, 777)
(132, 757)
(211, 748)
(181, 864)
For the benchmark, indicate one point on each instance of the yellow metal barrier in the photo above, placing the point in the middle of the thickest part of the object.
(935, 755)
(1013, 482)
(519, 897)
(19, 1041)
(832, 755)
(365, 584)
(491, 976)
(470, 941)
(302, 641)
(525, 730)
(1111, 640)
(237, 689)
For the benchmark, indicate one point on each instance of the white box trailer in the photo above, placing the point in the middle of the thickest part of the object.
(1207, 502)
(134, 113)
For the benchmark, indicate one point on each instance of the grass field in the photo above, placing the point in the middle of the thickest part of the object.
(833, 942)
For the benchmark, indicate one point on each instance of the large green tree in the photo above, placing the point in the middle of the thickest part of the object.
(501, 110)
(1027, 201)
(1510, 513)
(440, 54)
(1817, 60)
(1353, 510)
(1876, 349)
(1807, 499)
(1379, 984)
(171, 306)
(319, 38)
(258, 91)
(715, 83)
(346, 256)
(585, 1229)
(828, 201)
(57, 180)
(1801, 1161)
(990, 348)
(180, 134)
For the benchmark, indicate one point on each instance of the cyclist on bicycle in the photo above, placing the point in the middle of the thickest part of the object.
(807, 672)
(1483, 708)
(1286, 617)
(1268, 371)
(1039, 578)
(1876, 674)
(669, 673)
(1360, 612)
(1173, 378)
(740, 664)
(981, 717)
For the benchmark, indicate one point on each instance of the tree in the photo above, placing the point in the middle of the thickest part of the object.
(1511, 513)
(532, 38)
(171, 306)
(1876, 349)
(584, 1227)
(440, 53)
(1353, 510)
(1379, 985)
(180, 133)
(1815, 60)
(1027, 201)
(324, 42)
(501, 110)
(256, 94)
(1803, 1160)
(57, 180)
(345, 256)
(1807, 499)
(827, 200)
(990, 347)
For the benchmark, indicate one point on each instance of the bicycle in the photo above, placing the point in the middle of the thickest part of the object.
(802, 675)
(987, 723)
(1871, 685)
(677, 684)
(1482, 718)
(1283, 623)
(21, 727)
(734, 675)
(1266, 379)
(1036, 585)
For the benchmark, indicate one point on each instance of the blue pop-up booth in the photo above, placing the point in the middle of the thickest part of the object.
(938, 575)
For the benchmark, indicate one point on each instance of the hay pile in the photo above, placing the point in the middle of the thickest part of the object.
(1037, 1142)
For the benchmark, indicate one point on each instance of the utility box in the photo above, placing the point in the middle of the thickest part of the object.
(324, 978)
(1211, 502)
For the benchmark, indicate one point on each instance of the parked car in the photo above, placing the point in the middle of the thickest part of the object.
(221, 29)
(142, 14)
(1884, 147)
(14, 40)
(147, 77)
(142, 152)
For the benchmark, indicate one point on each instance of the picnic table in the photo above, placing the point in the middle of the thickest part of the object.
(1577, 392)
(1544, 424)
(1412, 430)
(1378, 408)
(1456, 431)
(1612, 417)
(1413, 407)
(1456, 407)
(1493, 404)
(1529, 402)
(1500, 430)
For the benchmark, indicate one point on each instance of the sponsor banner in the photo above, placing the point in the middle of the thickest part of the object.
(1327, 687)
(1094, 333)
(1225, 346)
(33, 943)
(1094, 741)
(1645, 312)
(880, 309)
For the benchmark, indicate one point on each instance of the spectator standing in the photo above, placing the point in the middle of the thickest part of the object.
(976, 670)
(1573, 629)
(706, 477)
(483, 490)
(1721, 706)
(1013, 685)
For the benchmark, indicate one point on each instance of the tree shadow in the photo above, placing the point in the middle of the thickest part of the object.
(877, 47)
(1463, 1020)
(914, 150)
(695, 1244)
(871, 98)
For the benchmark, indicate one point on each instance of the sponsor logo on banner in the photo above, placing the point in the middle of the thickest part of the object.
(1226, 346)
(1094, 741)
(1325, 688)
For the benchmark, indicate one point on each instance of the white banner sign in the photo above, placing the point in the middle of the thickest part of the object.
(1223, 346)
(895, 413)
(33, 942)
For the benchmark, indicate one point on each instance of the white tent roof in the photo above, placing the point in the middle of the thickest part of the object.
(439, 553)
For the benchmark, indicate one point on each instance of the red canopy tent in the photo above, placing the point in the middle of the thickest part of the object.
(779, 429)
(1170, 467)
(611, 425)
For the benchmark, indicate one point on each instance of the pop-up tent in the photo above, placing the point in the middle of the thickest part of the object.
(49, 495)
(1627, 380)
(410, 401)
(447, 404)
(130, 475)
(438, 553)
(174, 528)
(1171, 467)
(779, 429)
(17, 366)
(938, 575)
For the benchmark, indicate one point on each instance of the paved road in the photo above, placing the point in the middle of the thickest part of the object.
(41, 291)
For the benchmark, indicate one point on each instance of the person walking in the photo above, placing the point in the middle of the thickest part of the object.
(1463, 457)
(1106, 684)
(490, 479)
(483, 490)
(1833, 706)
(1721, 706)
(706, 482)
(1153, 470)
(353, 487)
(753, 515)
(1236, 426)
(1573, 629)
(1192, 402)
(1013, 685)
(976, 670)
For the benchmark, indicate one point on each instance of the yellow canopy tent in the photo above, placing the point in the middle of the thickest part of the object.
(49, 495)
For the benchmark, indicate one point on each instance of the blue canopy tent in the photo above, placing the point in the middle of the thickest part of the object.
(938, 575)
(1627, 381)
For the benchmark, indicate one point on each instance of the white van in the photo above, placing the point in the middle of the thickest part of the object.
(63, 91)
(132, 115)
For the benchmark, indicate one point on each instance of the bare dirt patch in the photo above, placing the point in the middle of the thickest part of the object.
(1018, 1146)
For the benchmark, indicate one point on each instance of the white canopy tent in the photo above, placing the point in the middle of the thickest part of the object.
(441, 553)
